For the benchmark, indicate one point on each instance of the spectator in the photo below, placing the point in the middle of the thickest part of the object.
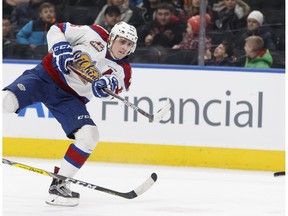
(192, 7)
(8, 35)
(7, 31)
(112, 15)
(34, 32)
(123, 5)
(76, 3)
(254, 27)
(164, 31)
(135, 3)
(59, 11)
(256, 55)
(178, 4)
(10, 5)
(230, 15)
(144, 14)
(78, 12)
(191, 37)
(222, 55)
(178, 10)
(25, 12)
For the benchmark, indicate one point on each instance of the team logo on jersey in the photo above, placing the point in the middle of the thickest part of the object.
(21, 87)
(83, 62)
(97, 45)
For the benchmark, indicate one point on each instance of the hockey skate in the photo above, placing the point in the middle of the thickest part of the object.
(60, 193)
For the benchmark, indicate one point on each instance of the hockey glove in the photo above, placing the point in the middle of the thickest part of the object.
(62, 56)
(106, 81)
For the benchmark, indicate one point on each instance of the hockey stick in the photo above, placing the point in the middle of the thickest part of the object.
(128, 195)
(156, 118)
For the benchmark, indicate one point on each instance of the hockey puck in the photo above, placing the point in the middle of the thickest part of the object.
(282, 173)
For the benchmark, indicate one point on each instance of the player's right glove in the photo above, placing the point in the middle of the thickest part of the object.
(62, 56)
(106, 81)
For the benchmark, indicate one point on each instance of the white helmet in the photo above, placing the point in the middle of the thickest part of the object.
(126, 31)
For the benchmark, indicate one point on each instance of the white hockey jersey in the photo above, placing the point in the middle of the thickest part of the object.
(89, 45)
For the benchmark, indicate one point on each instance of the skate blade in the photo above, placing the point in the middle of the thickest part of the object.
(55, 200)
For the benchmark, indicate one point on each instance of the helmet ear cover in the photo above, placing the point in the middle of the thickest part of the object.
(123, 30)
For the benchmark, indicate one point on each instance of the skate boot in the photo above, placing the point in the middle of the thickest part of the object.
(61, 195)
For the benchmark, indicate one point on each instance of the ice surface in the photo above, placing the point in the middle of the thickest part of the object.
(178, 191)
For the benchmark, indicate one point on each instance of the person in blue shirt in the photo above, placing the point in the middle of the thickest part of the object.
(34, 32)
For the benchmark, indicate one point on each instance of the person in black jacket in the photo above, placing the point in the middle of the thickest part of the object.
(25, 12)
(144, 13)
(112, 15)
(8, 37)
(255, 27)
(222, 55)
(165, 30)
(229, 15)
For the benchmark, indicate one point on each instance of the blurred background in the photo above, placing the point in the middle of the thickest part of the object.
(227, 21)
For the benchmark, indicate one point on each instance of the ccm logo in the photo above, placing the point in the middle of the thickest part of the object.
(64, 46)
(83, 117)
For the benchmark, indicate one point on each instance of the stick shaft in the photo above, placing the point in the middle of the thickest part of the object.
(108, 91)
(129, 195)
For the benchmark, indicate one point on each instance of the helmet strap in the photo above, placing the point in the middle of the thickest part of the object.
(110, 43)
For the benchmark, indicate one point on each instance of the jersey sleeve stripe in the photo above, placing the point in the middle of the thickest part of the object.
(101, 31)
(61, 26)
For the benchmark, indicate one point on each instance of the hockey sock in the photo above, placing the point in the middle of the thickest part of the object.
(73, 161)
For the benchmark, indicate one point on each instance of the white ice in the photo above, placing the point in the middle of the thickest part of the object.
(178, 191)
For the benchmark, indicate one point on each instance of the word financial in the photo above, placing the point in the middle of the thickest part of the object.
(214, 112)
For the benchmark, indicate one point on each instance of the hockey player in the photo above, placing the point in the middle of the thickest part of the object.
(96, 53)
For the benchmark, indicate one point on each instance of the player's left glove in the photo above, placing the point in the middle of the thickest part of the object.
(106, 81)
(62, 56)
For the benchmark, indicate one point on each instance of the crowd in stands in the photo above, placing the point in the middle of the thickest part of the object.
(168, 30)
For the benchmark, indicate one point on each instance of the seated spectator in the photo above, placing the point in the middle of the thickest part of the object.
(254, 27)
(25, 12)
(34, 32)
(230, 15)
(192, 7)
(222, 55)
(256, 55)
(123, 5)
(135, 3)
(144, 13)
(78, 12)
(178, 10)
(191, 37)
(9, 5)
(76, 3)
(176, 3)
(8, 37)
(164, 31)
(112, 15)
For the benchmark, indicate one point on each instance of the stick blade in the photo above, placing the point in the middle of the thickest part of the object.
(161, 113)
(146, 185)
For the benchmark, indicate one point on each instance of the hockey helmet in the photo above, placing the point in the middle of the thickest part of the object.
(126, 31)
